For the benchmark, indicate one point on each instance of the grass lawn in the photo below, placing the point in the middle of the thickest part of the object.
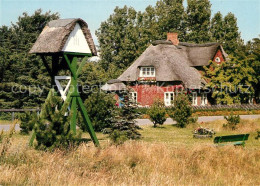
(166, 155)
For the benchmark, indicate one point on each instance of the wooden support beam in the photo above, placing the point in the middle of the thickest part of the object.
(46, 65)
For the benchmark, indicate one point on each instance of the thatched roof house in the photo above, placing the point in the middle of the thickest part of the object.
(165, 68)
(65, 35)
(174, 62)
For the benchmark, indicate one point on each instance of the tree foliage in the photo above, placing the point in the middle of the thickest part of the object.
(123, 124)
(157, 113)
(53, 127)
(21, 72)
(253, 53)
(182, 111)
(100, 108)
(231, 82)
(232, 38)
(27, 122)
(217, 28)
(198, 21)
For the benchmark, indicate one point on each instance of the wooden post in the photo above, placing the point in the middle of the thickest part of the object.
(12, 116)
(76, 100)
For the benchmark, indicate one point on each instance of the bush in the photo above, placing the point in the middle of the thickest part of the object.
(182, 111)
(157, 113)
(118, 137)
(53, 127)
(100, 108)
(27, 122)
(232, 121)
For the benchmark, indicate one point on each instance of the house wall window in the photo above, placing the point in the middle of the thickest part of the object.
(168, 98)
(194, 98)
(147, 72)
(134, 96)
(204, 99)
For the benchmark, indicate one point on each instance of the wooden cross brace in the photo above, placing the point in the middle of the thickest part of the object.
(73, 97)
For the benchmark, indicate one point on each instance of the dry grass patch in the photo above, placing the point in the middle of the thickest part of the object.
(165, 156)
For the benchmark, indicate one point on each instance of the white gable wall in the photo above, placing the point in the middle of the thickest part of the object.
(76, 42)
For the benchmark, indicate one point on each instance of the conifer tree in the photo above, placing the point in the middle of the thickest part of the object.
(19, 69)
(52, 129)
(124, 124)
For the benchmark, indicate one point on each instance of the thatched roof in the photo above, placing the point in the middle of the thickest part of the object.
(55, 34)
(201, 54)
(114, 85)
(172, 63)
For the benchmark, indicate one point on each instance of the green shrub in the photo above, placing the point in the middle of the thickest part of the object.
(100, 108)
(28, 120)
(157, 113)
(53, 127)
(232, 121)
(181, 111)
(118, 137)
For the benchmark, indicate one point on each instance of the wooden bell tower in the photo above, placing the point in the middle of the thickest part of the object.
(70, 44)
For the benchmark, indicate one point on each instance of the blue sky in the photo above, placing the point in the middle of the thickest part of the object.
(96, 11)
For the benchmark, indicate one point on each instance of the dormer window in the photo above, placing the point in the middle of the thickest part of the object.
(147, 72)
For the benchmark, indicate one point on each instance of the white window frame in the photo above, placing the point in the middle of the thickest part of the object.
(147, 72)
(217, 59)
(167, 100)
(194, 98)
(134, 96)
(203, 100)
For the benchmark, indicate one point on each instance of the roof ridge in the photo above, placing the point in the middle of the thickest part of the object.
(198, 45)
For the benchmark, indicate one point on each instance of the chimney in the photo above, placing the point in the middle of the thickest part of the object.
(173, 37)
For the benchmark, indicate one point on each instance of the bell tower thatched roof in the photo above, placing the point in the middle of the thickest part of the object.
(60, 35)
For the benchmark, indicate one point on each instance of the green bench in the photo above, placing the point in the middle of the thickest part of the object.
(232, 139)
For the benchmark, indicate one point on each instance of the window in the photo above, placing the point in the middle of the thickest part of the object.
(147, 72)
(168, 98)
(204, 99)
(217, 59)
(134, 96)
(194, 98)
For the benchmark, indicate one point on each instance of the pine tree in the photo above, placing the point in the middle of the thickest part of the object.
(53, 127)
(124, 124)
(20, 69)
(198, 21)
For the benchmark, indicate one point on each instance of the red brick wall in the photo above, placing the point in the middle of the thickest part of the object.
(146, 94)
